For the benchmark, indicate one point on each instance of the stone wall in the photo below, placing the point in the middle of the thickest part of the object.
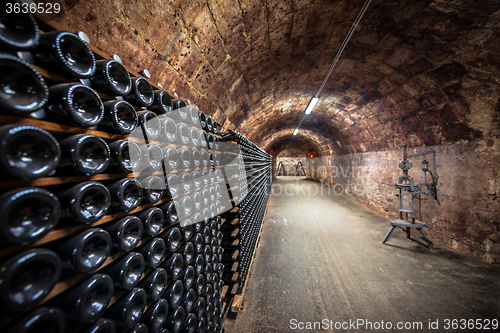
(469, 190)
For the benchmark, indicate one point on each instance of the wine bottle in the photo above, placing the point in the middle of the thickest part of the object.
(215, 298)
(171, 159)
(203, 120)
(152, 157)
(86, 251)
(139, 328)
(202, 325)
(162, 102)
(111, 78)
(24, 89)
(101, 325)
(126, 271)
(87, 301)
(126, 155)
(188, 276)
(141, 93)
(215, 126)
(127, 311)
(202, 138)
(156, 315)
(210, 325)
(196, 158)
(43, 319)
(187, 251)
(195, 136)
(175, 321)
(209, 310)
(205, 160)
(220, 303)
(174, 294)
(200, 307)
(208, 271)
(186, 205)
(86, 153)
(178, 104)
(153, 188)
(28, 152)
(188, 231)
(187, 182)
(190, 323)
(208, 120)
(126, 194)
(170, 212)
(27, 214)
(153, 251)
(169, 129)
(199, 263)
(183, 137)
(19, 30)
(184, 158)
(198, 242)
(197, 203)
(155, 283)
(66, 54)
(217, 327)
(174, 266)
(193, 118)
(207, 253)
(121, 116)
(199, 284)
(153, 220)
(80, 104)
(126, 232)
(86, 202)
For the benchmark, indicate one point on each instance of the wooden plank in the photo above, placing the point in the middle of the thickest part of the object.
(236, 304)
(224, 290)
(235, 266)
(234, 289)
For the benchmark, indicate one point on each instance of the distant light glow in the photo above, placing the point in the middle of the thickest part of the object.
(312, 104)
(295, 131)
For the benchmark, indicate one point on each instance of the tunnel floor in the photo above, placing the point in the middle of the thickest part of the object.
(321, 259)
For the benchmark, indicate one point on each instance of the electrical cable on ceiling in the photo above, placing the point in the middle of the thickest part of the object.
(339, 52)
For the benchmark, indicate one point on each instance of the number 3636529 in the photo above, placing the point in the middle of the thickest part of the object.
(33, 8)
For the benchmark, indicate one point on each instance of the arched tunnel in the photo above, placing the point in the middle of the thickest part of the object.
(420, 73)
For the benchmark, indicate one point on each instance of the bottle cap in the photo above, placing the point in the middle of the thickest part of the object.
(83, 36)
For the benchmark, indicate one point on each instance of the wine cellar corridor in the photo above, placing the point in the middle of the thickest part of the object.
(251, 166)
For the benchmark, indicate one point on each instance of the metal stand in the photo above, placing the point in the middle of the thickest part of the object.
(407, 186)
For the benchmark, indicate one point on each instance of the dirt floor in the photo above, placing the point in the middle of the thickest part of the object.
(321, 259)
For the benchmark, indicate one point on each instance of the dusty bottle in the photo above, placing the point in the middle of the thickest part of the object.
(111, 78)
(27, 214)
(25, 90)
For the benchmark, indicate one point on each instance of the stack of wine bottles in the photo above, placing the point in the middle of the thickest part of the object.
(250, 190)
(110, 194)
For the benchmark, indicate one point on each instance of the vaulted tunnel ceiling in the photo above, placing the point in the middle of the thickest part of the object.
(418, 71)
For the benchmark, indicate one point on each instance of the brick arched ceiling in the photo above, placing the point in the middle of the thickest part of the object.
(418, 71)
